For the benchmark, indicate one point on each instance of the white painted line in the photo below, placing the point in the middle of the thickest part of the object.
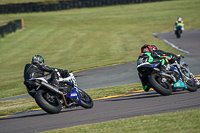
(173, 46)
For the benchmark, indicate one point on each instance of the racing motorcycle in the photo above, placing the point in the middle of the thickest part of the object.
(52, 100)
(178, 30)
(165, 82)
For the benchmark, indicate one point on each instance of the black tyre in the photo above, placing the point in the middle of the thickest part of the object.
(163, 88)
(179, 34)
(48, 101)
(191, 85)
(86, 100)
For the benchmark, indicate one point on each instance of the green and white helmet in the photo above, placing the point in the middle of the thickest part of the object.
(37, 59)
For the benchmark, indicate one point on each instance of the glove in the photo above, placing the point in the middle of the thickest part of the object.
(174, 27)
(65, 73)
(172, 60)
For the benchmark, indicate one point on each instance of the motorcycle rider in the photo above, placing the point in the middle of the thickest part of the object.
(37, 68)
(154, 55)
(161, 53)
(150, 53)
(179, 22)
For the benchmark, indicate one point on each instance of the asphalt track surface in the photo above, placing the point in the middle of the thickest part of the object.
(136, 104)
(103, 110)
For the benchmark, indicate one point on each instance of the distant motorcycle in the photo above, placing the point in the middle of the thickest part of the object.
(52, 100)
(178, 31)
(164, 82)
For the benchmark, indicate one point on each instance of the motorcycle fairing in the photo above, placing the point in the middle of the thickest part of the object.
(178, 27)
(146, 68)
(180, 84)
(74, 95)
(173, 68)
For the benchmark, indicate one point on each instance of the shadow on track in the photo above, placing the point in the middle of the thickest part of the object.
(13, 116)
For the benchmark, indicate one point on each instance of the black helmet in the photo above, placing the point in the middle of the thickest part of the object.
(37, 59)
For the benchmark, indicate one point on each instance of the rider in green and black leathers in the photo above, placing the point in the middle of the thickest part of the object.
(150, 54)
(159, 53)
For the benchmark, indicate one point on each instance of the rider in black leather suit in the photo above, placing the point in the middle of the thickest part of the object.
(37, 69)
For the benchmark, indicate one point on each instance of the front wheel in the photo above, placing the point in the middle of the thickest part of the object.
(86, 100)
(161, 87)
(48, 101)
(191, 85)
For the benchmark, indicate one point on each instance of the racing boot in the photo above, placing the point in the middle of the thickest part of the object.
(55, 82)
(146, 88)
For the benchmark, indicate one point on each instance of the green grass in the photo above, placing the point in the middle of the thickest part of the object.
(19, 105)
(86, 38)
(182, 121)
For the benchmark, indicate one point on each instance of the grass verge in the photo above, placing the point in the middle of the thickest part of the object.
(182, 121)
(24, 104)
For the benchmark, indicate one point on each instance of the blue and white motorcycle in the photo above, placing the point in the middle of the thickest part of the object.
(52, 100)
(165, 82)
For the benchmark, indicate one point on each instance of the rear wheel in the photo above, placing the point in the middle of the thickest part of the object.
(178, 33)
(86, 100)
(48, 101)
(160, 86)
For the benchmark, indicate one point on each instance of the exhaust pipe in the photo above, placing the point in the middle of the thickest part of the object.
(169, 76)
(54, 89)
